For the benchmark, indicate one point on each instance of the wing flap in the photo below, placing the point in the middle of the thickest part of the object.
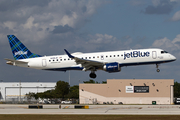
(87, 64)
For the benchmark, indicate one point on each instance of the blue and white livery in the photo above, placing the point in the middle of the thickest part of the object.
(111, 61)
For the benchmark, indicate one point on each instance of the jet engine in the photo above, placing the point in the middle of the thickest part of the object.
(112, 67)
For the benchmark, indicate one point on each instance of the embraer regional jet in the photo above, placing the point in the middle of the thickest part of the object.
(107, 61)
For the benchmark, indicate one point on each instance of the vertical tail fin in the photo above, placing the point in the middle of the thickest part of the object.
(19, 50)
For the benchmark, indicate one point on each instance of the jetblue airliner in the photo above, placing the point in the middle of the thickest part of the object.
(110, 61)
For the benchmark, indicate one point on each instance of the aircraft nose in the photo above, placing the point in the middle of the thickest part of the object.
(173, 57)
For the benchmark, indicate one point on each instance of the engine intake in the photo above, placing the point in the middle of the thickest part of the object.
(112, 67)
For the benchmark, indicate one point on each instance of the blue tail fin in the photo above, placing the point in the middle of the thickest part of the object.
(19, 50)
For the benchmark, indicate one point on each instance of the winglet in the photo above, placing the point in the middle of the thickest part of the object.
(68, 54)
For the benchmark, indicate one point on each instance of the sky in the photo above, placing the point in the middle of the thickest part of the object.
(47, 27)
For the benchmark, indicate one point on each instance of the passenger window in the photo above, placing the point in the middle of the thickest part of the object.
(118, 55)
(64, 59)
(89, 57)
(114, 55)
(110, 56)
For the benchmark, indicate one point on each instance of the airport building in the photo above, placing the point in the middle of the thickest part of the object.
(16, 91)
(128, 91)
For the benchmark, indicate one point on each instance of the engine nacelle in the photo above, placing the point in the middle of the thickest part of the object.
(112, 67)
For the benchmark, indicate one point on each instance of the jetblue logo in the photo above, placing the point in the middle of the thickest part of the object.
(135, 54)
(20, 53)
(111, 66)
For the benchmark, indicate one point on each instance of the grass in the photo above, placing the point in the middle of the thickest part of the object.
(89, 117)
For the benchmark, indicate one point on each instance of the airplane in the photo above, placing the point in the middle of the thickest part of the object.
(110, 61)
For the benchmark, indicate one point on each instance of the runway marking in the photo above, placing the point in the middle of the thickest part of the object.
(106, 111)
(66, 107)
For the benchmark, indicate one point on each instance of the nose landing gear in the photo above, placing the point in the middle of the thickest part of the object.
(158, 70)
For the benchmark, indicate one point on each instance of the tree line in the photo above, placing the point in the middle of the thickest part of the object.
(62, 90)
(176, 90)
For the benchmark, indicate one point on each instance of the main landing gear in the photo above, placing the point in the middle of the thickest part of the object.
(92, 75)
(158, 70)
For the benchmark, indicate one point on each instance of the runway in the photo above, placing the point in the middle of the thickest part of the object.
(94, 110)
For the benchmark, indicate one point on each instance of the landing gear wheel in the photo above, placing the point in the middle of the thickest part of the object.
(158, 70)
(92, 75)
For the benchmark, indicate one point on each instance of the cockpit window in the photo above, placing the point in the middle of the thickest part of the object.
(162, 52)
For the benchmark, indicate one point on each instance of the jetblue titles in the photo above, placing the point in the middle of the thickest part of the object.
(135, 54)
(20, 53)
(112, 66)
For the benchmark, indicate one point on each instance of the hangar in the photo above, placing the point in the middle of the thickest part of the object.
(16, 91)
(128, 91)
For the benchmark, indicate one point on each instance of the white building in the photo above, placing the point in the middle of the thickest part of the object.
(16, 91)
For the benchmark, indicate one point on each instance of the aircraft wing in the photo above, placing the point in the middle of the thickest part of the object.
(87, 64)
(15, 62)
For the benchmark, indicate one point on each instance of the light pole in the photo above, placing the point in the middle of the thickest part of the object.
(20, 91)
(38, 85)
(1, 90)
(69, 78)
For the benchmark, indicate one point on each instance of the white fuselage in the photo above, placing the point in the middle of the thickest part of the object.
(124, 58)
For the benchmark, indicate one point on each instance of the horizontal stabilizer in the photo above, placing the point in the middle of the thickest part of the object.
(15, 62)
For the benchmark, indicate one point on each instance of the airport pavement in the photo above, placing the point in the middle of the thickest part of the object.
(94, 109)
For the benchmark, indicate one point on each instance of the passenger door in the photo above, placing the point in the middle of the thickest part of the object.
(154, 54)
(44, 63)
